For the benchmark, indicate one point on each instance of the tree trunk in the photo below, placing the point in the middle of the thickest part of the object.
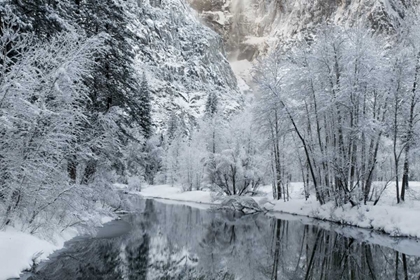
(404, 260)
(406, 168)
(277, 227)
(90, 170)
(410, 132)
(318, 193)
(72, 169)
(395, 132)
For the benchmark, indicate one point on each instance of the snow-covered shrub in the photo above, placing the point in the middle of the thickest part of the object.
(134, 183)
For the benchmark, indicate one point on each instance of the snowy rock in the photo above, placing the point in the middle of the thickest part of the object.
(183, 61)
(245, 205)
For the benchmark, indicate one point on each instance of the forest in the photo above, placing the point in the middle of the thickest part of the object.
(336, 109)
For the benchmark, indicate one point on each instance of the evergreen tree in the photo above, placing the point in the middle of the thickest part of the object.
(212, 104)
(172, 126)
(212, 123)
(145, 108)
(43, 17)
(152, 158)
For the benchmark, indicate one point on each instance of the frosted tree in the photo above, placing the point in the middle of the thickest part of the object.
(113, 106)
(193, 155)
(41, 120)
(211, 104)
(172, 158)
(173, 126)
(410, 38)
(211, 130)
(152, 158)
(145, 108)
(239, 163)
(334, 95)
(273, 122)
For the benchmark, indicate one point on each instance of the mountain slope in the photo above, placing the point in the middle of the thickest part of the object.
(183, 61)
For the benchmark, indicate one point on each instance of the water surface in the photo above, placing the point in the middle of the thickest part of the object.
(163, 241)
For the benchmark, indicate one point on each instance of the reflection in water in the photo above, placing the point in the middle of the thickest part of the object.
(179, 242)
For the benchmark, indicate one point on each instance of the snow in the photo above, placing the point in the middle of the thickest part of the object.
(389, 217)
(242, 70)
(394, 219)
(18, 249)
(255, 41)
(176, 194)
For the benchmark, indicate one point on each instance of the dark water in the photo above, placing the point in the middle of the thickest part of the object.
(166, 241)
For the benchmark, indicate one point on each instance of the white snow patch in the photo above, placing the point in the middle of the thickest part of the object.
(175, 193)
(18, 249)
(256, 41)
(242, 70)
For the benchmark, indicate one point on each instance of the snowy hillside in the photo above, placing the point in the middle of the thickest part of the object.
(183, 61)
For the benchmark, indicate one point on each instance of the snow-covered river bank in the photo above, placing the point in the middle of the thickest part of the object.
(401, 220)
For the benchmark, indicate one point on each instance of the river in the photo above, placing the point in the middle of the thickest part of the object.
(168, 241)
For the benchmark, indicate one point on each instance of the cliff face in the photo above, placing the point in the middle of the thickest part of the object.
(251, 28)
(183, 61)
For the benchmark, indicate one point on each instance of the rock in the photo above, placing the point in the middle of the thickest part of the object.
(250, 28)
(245, 205)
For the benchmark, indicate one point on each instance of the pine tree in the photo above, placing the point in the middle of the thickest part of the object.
(211, 104)
(212, 122)
(172, 126)
(145, 108)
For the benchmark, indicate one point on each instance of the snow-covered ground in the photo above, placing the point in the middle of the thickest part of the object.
(175, 193)
(387, 216)
(19, 250)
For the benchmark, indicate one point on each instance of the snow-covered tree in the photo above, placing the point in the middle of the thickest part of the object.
(41, 119)
(239, 162)
(192, 158)
(145, 108)
(212, 106)
(409, 37)
(333, 93)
